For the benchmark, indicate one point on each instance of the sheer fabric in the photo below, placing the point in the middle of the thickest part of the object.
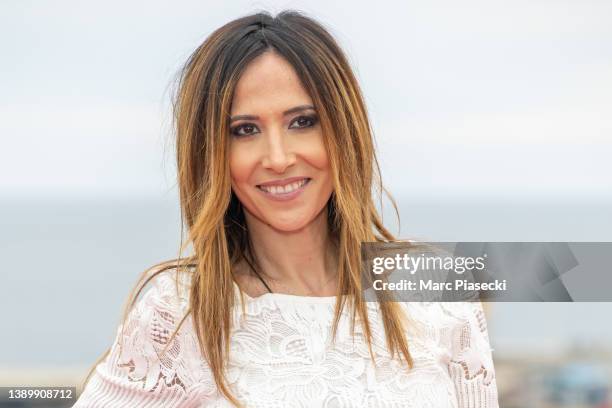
(282, 356)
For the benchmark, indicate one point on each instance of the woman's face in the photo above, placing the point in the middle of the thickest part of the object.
(278, 163)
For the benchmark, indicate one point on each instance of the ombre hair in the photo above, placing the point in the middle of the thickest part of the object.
(211, 212)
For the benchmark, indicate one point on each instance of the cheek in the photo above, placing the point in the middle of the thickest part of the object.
(317, 155)
(240, 165)
(319, 159)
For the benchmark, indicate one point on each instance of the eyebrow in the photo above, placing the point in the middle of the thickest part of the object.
(285, 113)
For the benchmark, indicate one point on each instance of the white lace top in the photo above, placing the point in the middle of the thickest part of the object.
(282, 356)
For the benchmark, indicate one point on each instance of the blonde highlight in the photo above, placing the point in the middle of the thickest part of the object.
(212, 214)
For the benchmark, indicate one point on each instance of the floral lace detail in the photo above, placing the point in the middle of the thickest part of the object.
(282, 355)
(143, 358)
(137, 372)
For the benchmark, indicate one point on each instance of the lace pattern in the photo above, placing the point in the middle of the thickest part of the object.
(282, 355)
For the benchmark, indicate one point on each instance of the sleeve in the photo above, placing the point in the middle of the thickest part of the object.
(471, 365)
(133, 374)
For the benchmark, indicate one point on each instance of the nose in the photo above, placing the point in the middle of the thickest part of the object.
(279, 155)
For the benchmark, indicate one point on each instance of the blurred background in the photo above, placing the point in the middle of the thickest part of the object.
(493, 121)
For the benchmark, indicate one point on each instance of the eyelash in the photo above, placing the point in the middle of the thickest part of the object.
(234, 131)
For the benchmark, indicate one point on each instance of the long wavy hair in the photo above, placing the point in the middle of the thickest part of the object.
(212, 214)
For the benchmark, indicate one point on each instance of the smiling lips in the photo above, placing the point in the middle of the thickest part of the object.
(284, 187)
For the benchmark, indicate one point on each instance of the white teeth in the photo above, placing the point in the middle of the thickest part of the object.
(284, 189)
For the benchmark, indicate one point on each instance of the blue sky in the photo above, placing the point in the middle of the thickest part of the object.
(492, 98)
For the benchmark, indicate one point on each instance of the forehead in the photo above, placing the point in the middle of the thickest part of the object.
(268, 84)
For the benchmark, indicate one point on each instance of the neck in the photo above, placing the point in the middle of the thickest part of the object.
(300, 262)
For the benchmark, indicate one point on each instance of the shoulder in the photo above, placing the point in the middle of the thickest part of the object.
(154, 356)
(470, 317)
(162, 303)
(171, 288)
(457, 333)
(471, 351)
(465, 320)
(145, 348)
(459, 327)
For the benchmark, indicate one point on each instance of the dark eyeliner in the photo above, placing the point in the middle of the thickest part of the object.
(235, 129)
(313, 119)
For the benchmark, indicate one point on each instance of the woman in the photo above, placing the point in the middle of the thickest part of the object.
(275, 170)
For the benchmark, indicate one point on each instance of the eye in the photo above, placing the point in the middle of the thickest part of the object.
(246, 129)
(305, 121)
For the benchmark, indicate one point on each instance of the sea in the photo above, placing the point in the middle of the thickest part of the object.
(68, 265)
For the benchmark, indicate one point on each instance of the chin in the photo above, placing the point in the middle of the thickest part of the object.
(288, 225)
